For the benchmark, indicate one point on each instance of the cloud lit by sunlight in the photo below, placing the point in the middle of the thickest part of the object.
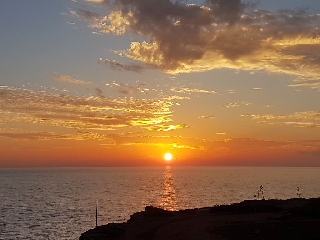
(220, 34)
(309, 119)
(82, 113)
(68, 79)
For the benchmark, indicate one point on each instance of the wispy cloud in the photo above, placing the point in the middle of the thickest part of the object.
(237, 104)
(165, 128)
(130, 89)
(221, 133)
(207, 117)
(163, 141)
(33, 135)
(68, 79)
(127, 89)
(166, 145)
(99, 92)
(82, 114)
(298, 119)
(95, 1)
(228, 146)
(120, 66)
(29, 135)
(311, 84)
(231, 91)
(174, 97)
(220, 34)
(191, 90)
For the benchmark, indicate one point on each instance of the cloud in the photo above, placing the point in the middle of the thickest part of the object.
(230, 148)
(304, 147)
(166, 128)
(316, 153)
(191, 90)
(99, 92)
(83, 114)
(228, 11)
(237, 104)
(68, 79)
(88, 15)
(166, 145)
(179, 146)
(174, 97)
(220, 34)
(251, 144)
(114, 23)
(95, 1)
(231, 91)
(163, 141)
(21, 134)
(120, 66)
(33, 135)
(308, 119)
(312, 84)
(207, 117)
(300, 124)
(127, 89)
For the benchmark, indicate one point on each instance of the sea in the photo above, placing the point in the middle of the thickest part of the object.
(61, 203)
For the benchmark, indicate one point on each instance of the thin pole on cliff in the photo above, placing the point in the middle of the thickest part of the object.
(96, 212)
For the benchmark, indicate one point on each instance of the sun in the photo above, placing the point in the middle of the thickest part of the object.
(168, 156)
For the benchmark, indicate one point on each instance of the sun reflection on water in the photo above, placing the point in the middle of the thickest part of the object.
(168, 201)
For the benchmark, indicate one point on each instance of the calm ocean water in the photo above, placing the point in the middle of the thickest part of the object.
(60, 203)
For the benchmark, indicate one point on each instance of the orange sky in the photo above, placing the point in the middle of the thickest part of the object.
(237, 152)
(90, 83)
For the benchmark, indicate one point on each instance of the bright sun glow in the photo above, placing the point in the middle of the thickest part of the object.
(168, 156)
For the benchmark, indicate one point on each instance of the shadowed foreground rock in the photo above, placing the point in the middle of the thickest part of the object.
(294, 219)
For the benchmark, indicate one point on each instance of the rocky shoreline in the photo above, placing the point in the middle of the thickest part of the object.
(293, 219)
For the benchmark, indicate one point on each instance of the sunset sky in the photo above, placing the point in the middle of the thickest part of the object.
(122, 82)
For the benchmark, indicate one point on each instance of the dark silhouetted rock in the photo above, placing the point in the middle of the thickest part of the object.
(293, 219)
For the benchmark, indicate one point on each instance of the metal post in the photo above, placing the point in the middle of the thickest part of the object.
(96, 212)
